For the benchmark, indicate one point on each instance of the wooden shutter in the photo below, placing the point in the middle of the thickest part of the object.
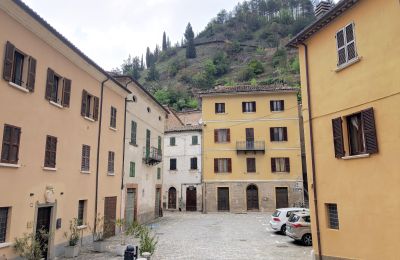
(10, 149)
(369, 129)
(271, 105)
(215, 165)
(273, 165)
(8, 61)
(287, 164)
(216, 108)
(282, 104)
(30, 85)
(338, 137)
(215, 135)
(96, 108)
(51, 150)
(285, 134)
(228, 135)
(229, 164)
(254, 106)
(84, 103)
(14, 149)
(66, 92)
(243, 106)
(271, 134)
(49, 83)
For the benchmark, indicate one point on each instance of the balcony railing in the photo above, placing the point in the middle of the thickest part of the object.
(152, 155)
(250, 146)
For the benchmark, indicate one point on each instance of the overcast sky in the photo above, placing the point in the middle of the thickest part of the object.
(109, 30)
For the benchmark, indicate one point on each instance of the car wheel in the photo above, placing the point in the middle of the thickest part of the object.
(283, 229)
(307, 240)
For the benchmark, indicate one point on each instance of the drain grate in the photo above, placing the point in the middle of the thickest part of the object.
(282, 246)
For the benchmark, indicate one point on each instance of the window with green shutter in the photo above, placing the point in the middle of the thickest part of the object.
(133, 132)
(158, 173)
(132, 170)
(195, 140)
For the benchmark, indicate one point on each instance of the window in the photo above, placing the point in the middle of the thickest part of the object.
(85, 164)
(333, 218)
(58, 89)
(195, 140)
(172, 164)
(158, 173)
(81, 212)
(277, 105)
(19, 69)
(132, 169)
(346, 45)
(172, 141)
(193, 163)
(3, 223)
(113, 118)
(251, 164)
(222, 135)
(278, 134)
(51, 152)
(133, 132)
(222, 165)
(89, 106)
(10, 148)
(219, 108)
(361, 134)
(110, 168)
(280, 165)
(249, 107)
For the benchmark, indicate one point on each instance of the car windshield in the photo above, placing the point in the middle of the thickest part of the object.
(293, 218)
(276, 213)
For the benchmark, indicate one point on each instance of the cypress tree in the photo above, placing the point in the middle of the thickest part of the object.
(148, 57)
(190, 47)
(164, 42)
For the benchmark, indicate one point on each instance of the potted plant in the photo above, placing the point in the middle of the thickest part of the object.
(99, 245)
(72, 248)
(147, 243)
(29, 246)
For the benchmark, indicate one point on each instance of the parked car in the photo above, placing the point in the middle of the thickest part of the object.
(280, 217)
(298, 227)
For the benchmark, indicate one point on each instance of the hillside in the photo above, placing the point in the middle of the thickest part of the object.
(244, 46)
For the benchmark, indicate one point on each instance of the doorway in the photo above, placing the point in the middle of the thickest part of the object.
(191, 198)
(172, 198)
(252, 197)
(157, 206)
(43, 224)
(110, 211)
(223, 198)
(249, 138)
(282, 198)
(130, 208)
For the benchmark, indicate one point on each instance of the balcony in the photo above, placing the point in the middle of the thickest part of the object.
(250, 146)
(152, 155)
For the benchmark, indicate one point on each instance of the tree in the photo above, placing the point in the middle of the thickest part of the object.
(222, 17)
(148, 57)
(164, 42)
(190, 47)
(141, 63)
(136, 68)
(153, 74)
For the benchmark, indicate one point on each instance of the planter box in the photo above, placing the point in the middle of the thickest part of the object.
(99, 246)
(71, 251)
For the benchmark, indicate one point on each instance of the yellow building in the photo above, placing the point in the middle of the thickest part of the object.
(251, 148)
(350, 77)
(56, 164)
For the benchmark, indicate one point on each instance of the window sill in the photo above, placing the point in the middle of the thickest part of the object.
(221, 113)
(193, 170)
(281, 172)
(110, 173)
(252, 173)
(112, 128)
(251, 112)
(89, 119)
(49, 169)
(222, 173)
(345, 65)
(86, 172)
(12, 84)
(133, 144)
(56, 104)
(358, 156)
(194, 144)
(81, 227)
(6, 244)
(173, 171)
(10, 165)
(278, 111)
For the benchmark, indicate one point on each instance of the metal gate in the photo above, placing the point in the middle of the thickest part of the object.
(223, 198)
(130, 205)
(191, 198)
(110, 211)
(252, 197)
(281, 195)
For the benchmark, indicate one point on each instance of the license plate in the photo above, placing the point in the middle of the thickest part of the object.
(288, 228)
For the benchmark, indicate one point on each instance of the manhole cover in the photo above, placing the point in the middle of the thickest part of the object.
(282, 246)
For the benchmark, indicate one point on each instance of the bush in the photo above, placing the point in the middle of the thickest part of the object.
(244, 36)
(73, 236)
(245, 74)
(256, 67)
(233, 48)
(279, 58)
(29, 246)
(221, 63)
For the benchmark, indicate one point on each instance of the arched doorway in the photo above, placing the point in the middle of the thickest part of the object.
(172, 198)
(252, 197)
(191, 198)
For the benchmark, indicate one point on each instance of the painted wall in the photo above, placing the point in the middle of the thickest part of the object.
(366, 188)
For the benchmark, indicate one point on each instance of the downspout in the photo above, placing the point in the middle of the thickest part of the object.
(98, 152)
(314, 177)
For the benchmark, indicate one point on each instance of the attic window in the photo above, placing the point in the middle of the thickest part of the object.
(148, 109)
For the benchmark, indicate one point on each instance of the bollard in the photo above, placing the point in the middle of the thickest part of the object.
(131, 252)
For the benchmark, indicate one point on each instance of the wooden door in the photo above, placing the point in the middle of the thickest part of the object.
(282, 198)
(252, 197)
(223, 198)
(249, 138)
(110, 211)
(130, 205)
(191, 198)
(172, 198)
(43, 223)
(157, 208)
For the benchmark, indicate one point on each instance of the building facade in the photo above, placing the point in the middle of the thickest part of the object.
(350, 78)
(61, 126)
(251, 148)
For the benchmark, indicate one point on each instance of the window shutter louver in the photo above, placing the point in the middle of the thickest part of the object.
(215, 136)
(369, 129)
(271, 105)
(282, 105)
(273, 165)
(83, 103)
(228, 135)
(243, 106)
(254, 106)
(8, 61)
(271, 134)
(287, 164)
(49, 83)
(96, 108)
(229, 165)
(338, 137)
(66, 92)
(285, 134)
(14, 148)
(215, 165)
(30, 85)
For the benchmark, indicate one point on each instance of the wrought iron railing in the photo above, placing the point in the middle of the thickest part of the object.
(250, 146)
(152, 155)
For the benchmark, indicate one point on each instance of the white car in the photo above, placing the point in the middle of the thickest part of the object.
(280, 216)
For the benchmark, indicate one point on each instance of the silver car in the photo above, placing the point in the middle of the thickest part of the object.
(298, 227)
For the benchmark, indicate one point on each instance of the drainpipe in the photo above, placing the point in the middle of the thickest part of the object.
(98, 152)
(314, 177)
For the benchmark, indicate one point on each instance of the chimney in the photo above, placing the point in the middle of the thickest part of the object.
(322, 8)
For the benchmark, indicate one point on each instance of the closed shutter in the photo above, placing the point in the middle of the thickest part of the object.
(287, 165)
(271, 105)
(66, 92)
(30, 85)
(369, 129)
(8, 61)
(271, 134)
(15, 136)
(341, 47)
(51, 150)
(243, 106)
(10, 148)
(49, 83)
(215, 135)
(85, 165)
(254, 106)
(96, 108)
(282, 105)
(133, 132)
(228, 135)
(285, 134)
(84, 102)
(273, 165)
(215, 165)
(229, 164)
(338, 137)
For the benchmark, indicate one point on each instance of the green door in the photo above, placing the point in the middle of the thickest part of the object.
(147, 143)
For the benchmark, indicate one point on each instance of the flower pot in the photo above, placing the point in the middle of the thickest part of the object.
(99, 246)
(71, 251)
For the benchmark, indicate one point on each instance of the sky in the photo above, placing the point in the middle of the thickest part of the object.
(109, 30)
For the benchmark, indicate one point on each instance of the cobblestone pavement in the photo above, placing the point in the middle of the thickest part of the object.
(187, 236)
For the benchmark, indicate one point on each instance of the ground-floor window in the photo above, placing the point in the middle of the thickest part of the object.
(333, 217)
(3, 223)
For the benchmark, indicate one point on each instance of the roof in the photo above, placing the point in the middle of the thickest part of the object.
(317, 25)
(45, 24)
(248, 89)
(185, 128)
(191, 117)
